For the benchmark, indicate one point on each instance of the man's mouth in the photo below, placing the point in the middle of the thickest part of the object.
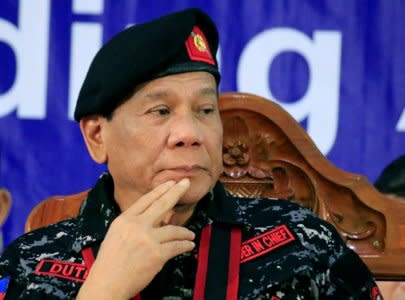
(186, 170)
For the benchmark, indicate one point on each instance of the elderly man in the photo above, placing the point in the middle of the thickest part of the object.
(158, 225)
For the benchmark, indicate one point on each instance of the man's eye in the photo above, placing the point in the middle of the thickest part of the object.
(161, 111)
(207, 111)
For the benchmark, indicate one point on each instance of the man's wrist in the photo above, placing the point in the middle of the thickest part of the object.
(101, 291)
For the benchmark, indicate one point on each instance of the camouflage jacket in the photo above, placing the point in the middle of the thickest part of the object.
(308, 261)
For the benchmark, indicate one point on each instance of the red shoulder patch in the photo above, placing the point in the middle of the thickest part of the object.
(62, 269)
(198, 48)
(265, 243)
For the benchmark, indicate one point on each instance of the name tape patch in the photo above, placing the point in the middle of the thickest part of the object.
(265, 243)
(62, 269)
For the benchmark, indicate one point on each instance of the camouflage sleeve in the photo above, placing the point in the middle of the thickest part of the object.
(351, 277)
(11, 288)
(8, 287)
(12, 285)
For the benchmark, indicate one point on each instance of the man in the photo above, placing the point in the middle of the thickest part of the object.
(159, 225)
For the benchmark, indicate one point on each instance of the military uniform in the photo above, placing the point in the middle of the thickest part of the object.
(286, 253)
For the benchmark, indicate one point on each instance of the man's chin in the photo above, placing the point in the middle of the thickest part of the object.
(193, 195)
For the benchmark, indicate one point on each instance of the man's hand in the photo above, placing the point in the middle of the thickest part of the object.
(136, 246)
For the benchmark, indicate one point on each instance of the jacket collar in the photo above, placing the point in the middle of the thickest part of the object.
(223, 207)
(97, 213)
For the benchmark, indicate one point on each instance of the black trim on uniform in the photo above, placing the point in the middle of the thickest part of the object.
(218, 262)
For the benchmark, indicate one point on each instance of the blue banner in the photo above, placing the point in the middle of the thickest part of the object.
(337, 66)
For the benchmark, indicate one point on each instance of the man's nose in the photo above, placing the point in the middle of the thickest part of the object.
(185, 131)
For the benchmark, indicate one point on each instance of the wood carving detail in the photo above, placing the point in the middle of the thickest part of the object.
(251, 170)
(260, 161)
(362, 228)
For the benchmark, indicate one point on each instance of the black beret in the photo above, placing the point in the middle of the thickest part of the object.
(181, 42)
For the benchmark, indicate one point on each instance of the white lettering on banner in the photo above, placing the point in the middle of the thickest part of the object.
(320, 104)
(94, 7)
(30, 45)
(86, 40)
(401, 122)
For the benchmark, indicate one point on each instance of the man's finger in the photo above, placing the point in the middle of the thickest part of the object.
(140, 205)
(174, 248)
(172, 233)
(158, 209)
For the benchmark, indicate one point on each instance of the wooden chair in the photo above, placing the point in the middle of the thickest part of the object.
(54, 209)
(267, 153)
(5, 204)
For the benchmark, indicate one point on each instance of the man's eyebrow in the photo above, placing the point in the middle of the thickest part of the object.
(157, 95)
(208, 91)
(154, 95)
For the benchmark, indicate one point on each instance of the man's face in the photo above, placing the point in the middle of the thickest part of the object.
(168, 130)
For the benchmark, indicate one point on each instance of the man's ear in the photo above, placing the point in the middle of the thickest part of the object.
(92, 131)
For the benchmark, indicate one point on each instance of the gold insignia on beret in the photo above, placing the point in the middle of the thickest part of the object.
(200, 43)
(198, 49)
